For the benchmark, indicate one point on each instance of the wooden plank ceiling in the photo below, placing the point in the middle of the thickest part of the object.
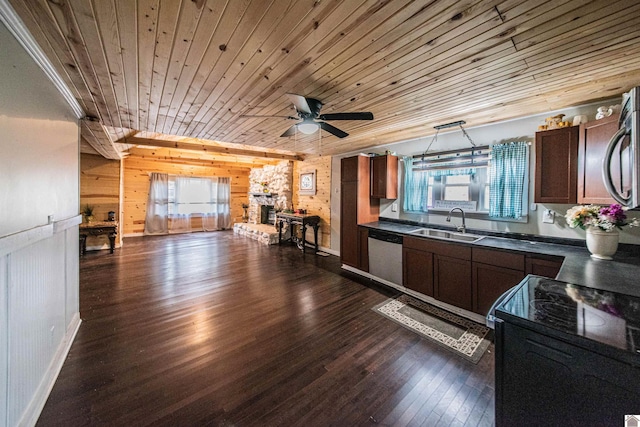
(194, 68)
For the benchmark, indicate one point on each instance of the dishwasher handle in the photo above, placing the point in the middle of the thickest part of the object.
(385, 236)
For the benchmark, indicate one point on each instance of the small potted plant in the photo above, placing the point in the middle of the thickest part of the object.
(87, 212)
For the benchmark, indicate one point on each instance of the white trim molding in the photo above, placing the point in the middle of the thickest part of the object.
(33, 411)
(14, 24)
(21, 239)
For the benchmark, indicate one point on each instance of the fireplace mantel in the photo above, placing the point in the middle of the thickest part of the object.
(263, 194)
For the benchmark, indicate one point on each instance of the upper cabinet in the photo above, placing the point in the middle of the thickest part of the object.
(384, 177)
(557, 166)
(594, 137)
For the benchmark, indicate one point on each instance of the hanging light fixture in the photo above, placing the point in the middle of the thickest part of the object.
(308, 126)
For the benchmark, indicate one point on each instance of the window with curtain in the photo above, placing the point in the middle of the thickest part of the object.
(508, 177)
(435, 182)
(424, 188)
(184, 198)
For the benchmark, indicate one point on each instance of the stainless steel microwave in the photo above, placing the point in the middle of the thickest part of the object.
(621, 163)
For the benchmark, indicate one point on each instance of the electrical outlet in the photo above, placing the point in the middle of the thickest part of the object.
(394, 207)
(533, 206)
(548, 216)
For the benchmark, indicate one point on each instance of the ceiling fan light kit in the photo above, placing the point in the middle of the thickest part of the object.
(308, 127)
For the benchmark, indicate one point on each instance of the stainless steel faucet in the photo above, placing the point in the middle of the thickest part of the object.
(461, 228)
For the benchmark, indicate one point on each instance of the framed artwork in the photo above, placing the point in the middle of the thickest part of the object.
(307, 183)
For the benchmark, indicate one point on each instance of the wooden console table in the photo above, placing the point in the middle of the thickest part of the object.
(110, 228)
(303, 221)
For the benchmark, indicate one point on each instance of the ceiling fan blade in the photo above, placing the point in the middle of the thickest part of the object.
(251, 116)
(290, 132)
(347, 116)
(300, 102)
(333, 130)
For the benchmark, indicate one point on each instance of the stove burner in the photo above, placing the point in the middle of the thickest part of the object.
(560, 313)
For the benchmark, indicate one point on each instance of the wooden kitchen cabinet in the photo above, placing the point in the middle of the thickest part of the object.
(494, 272)
(593, 140)
(384, 177)
(355, 207)
(363, 248)
(556, 176)
(452, 274)
(543, 265)
(417, 265)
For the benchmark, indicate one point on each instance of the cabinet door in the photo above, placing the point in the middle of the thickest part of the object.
(594, 137)
(557, 166)
(384, 177)
(452, 281)
(491, 281)
(349, 223)
(546, 266)
(417, 270)
(349, 169)
(363, 249)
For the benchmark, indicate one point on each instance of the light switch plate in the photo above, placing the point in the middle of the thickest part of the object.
(548, 216)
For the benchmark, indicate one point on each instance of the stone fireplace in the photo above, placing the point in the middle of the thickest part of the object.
(270, 190)
(269, 186)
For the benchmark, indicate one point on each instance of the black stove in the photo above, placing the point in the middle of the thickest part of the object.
(566, 355)
(602, 317)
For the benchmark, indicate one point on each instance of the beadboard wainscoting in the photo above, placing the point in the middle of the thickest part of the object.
(39, 303)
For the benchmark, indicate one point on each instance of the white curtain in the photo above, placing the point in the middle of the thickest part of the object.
(180, 223)
(219, 215)
(157, 205)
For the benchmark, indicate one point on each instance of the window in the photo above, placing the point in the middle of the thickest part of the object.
(173, 201)
(464, 178)
(191, 195)
(471, 187)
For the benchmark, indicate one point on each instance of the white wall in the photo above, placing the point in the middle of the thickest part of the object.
(520, 129)
(39, 177)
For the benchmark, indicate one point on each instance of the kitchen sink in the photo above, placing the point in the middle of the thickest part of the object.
(446, 235)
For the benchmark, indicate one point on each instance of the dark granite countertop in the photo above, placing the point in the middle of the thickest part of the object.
(622, 274)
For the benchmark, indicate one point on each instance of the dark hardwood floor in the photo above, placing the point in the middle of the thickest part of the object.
(217, 329)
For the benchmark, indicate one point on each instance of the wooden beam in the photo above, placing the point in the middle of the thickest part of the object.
(271, 154)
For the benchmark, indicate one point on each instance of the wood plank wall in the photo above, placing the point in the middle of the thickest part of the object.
(99, 187)
(320, 203)
(136, 184)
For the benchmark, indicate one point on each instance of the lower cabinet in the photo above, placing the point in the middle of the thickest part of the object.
(467, 277)
(494, 272)
(417, 270)
(363, 246)
(543, 265)
(489, 282)
(452, 281)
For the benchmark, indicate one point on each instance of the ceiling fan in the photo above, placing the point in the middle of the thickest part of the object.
(308, 110)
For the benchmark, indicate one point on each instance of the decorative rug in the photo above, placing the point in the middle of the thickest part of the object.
(464, 337)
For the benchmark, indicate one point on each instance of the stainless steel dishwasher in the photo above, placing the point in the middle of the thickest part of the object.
(385, 256)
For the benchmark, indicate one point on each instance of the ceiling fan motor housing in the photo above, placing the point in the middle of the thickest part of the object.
(314, 107)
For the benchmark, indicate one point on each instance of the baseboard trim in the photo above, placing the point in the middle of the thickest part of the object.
(328, 250)
(34, 409)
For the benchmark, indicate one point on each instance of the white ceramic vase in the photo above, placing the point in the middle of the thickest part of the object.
(602, 244)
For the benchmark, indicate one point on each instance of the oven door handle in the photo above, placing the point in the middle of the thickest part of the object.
(606, 168)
